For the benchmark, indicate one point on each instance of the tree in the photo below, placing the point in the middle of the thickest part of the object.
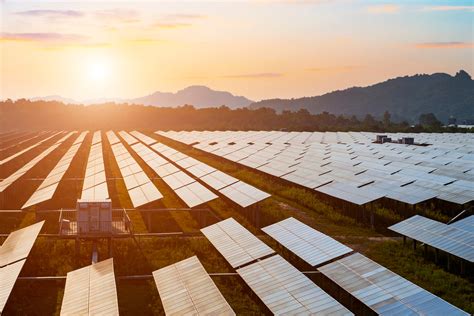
(386, 118)
(429, 120)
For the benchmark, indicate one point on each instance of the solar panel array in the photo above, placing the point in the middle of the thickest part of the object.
(185, 288)
(453, 239)
(49, 185)
(383, 291)
(21, 152)
(129, 139)
(287, 291)
(144, 138)
(13, 253)
(237, 191)
(113, 139)
(235, 243)
(23, 140)
(188, 190)
(5, 183)
(140, 188)
(307, 243)
(350, 166)
(91, 291)
(95, 182)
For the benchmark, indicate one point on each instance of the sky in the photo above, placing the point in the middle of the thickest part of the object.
(260, 49)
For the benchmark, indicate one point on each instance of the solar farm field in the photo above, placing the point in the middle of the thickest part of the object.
(234, 222)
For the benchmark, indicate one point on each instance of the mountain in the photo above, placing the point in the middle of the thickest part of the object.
(404, 97)
(199, 96)
(55, 98)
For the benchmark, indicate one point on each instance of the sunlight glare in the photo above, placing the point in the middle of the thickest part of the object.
(98, 71)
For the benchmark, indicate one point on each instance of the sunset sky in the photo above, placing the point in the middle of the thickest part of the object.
(259, 49)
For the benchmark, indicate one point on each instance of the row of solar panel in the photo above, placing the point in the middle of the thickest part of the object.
(188, 189)
(456, 239)
(358, 173)
(443, 140)
(5, 183)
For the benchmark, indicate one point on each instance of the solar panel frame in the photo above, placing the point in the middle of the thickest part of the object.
(244, 194)
(91, 290)
(195, 194)
(312, 246)
(19, 243)
(448, 238)
(382, 290)
(48, 186)
(186, 288)
(285, 290)
(235, 243)
(9, 274)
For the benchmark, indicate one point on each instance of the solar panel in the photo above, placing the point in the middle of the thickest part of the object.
(177, 180)
(149, 156)
(307, 243)
(129, 139)
(448, 238)
(9, 274)
(187, 162)
(95, 182)
(21, 152)
(383, 291)
(140, 188)
(186, 288)
(166, 170)
(49, 185)
(235, 242)
(5, 183)
(195, 194)
(351, 193)
(113, 139)
(91, 291)
(18, 244)
(13, 253)
(287, 291)
(244, 194)
(199, 170)
(218, 180)
(466, 224)
(144, 138)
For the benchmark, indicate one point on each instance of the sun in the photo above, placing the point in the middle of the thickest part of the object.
(98, 71)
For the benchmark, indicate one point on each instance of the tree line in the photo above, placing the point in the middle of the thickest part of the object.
(26, 114)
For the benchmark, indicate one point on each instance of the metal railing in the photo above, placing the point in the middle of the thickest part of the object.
(118, 223)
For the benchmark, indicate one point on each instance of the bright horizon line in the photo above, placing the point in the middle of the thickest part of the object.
(117, 99)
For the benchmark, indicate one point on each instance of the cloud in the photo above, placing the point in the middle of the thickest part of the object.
(255, 76)
(445, 45)
(343, 68)
(175, 21)
(170, 25)
(146, 41)
(120, 15)
(51, 13)
(42, 37)
(449, 8)
(383, 9)
(186, 16)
